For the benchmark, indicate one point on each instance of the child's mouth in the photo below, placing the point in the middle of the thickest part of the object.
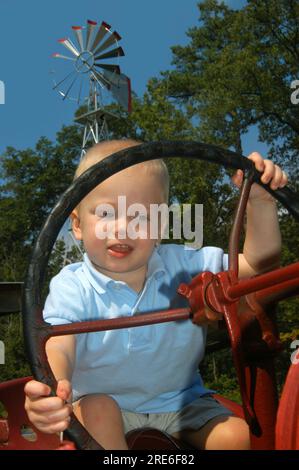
(119, 250)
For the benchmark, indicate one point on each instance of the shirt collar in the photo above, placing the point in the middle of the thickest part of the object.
(101, 282)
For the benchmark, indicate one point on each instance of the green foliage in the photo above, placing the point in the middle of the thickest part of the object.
(63, 253)
(32, 181)
(15, 359)
(220, 375)
(237, 70)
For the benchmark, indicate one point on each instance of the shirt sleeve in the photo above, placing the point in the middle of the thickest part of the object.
(64, 303)
(209, 258)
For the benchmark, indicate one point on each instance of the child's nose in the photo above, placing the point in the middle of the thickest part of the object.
(121, 228)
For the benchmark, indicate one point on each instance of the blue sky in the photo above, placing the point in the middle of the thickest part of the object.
(29, 31)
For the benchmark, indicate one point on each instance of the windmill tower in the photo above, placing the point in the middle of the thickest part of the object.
(91, 75)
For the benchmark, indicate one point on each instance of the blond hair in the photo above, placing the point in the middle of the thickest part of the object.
(105, 148)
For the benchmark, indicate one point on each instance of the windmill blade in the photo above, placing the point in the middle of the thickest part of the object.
(70, 87)
(99, 77)
(60, 56)
(80, 91)
(112, 68)
(78, 33)
(64, 79)
(89, 33)
(118, 52)
(111, 40)
(103, 30)
(120, 87)
(70, 46)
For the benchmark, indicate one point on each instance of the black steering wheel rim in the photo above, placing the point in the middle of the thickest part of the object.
(87, 182)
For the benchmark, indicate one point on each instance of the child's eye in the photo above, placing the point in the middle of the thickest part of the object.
(105, 213)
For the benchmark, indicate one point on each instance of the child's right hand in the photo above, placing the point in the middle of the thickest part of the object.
(48, 414)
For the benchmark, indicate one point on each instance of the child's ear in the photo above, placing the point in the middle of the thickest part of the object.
(76, 225)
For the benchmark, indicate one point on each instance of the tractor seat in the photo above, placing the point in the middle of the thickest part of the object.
(153, 439)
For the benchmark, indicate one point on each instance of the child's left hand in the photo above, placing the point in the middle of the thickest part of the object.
(271, 172)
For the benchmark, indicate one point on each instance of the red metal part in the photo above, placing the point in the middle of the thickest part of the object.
(287, 426)
(11, 438)
(253, 335)
(66, 445)
(4, 431)
(208, 290)
(262, 389)
(269, 280)
(115, 323)
(231, 405)
(252, 328)
(195, 293)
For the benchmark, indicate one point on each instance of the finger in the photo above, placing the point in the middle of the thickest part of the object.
(44, 405)
(52, 417)
(53, 428)
(275, 182)
(284, 180)
(64, 390)
(62, 414)
(34, 390)
(258, 160)
(269, 171)
(237, 178)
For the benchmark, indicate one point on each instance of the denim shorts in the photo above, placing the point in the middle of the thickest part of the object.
(193, 416)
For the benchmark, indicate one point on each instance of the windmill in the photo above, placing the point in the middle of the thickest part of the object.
(92, 72)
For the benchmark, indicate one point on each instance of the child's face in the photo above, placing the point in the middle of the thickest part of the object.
(119, 253)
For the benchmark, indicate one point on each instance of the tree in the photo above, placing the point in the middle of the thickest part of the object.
(32, 181)
(237, 71)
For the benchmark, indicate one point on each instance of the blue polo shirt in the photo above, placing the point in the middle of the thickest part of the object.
(147, 369)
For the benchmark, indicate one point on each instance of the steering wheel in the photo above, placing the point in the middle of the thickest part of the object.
(37, 331)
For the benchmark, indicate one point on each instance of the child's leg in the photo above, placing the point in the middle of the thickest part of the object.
(220, 433)
(101, 416)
